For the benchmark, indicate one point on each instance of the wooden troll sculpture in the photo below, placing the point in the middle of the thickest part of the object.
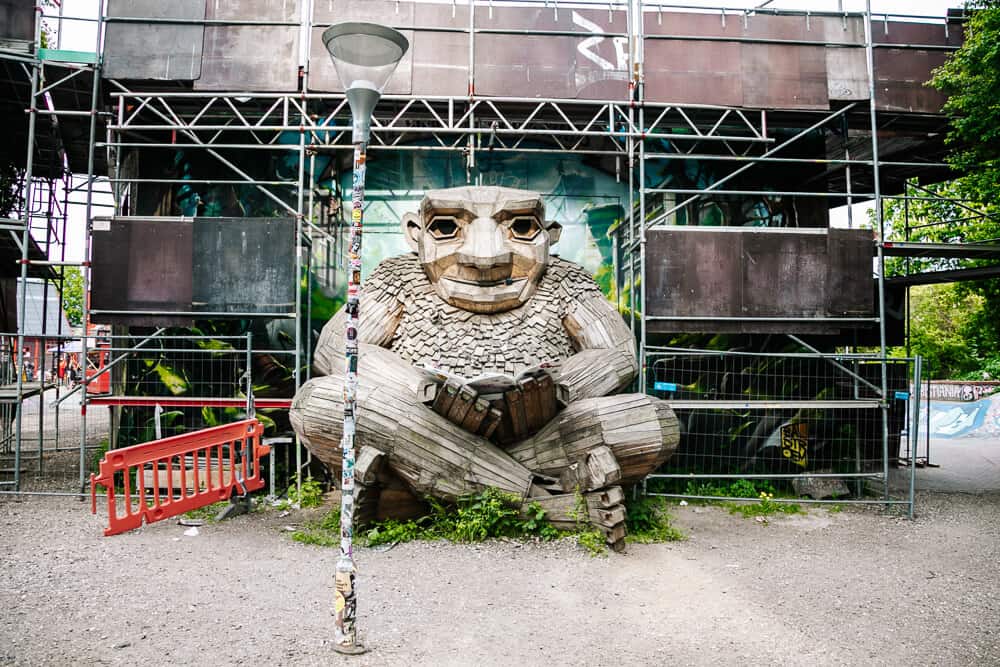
(486, 361)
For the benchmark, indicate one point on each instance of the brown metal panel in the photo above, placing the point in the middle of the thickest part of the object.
(17, 22)
(141, 264)
(783, 274)
(515, 65)
(441, 59)
(849, 273)
(847, 74)
(733, 273)
(917, 34)
(901, 74)
(399, 15)
(690, 71)
(244, 265)
(691, 24)
(263, 58)
(900, 80)
(686, 72)
(154, 51)
(779, 76)
(692, 273)
(782, 26)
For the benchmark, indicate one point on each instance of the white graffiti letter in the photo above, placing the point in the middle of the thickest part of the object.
(591, 42)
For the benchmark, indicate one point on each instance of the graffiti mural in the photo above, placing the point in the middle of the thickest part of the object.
(972, 419)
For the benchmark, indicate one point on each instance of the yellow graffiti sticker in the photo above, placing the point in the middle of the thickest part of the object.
(795, 442)
(339, 603)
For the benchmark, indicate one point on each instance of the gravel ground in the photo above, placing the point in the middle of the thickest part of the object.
(825, 588)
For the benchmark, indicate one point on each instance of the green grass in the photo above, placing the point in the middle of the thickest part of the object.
(322, 533)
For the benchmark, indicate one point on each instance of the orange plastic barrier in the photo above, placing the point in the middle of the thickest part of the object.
(181, 473)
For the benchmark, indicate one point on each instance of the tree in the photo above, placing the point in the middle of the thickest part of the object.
(943, 330)
(957, 327)
(971, 79)
(72, 295)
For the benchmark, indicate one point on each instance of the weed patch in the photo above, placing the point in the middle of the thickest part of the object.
(481, 516)
(648, 521)
(765, 507)
(207, 513)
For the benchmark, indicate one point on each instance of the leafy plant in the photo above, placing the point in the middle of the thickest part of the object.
(391, 530)
(741, 488)
(536, 524)
(491, 513)
(311, 495)
(488, 514)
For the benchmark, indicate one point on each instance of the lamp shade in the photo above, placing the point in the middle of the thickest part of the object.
(365, 55)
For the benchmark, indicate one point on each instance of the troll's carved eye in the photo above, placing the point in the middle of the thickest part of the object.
(443, 227)
(524, 228)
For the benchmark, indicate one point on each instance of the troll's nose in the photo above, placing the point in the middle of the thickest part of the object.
(484, 246)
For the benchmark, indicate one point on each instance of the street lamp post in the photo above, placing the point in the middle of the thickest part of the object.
(365, 56)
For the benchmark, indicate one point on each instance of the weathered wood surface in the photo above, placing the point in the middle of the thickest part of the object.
(641, 431)
(565, 511)
(429, 453)
(601, 509)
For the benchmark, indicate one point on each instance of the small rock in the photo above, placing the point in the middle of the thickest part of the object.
(819, 488)
(683, 503)
(191, 532)
(122, 645)
(191, 522)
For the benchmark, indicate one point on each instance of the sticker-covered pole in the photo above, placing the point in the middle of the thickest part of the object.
(365, 56)
(345, 606)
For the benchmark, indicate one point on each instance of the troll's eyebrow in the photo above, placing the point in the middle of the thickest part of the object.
(454, 209)
(507, 213)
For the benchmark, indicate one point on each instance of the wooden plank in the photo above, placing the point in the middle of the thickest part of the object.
(492, 421)
(532, 404)
(602, 468)
(445, 397)
(515, 407)
(461, 405)
(476, 415)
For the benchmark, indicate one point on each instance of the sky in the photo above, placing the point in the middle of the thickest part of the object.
(81, 36)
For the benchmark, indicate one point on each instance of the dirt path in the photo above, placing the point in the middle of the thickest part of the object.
(843, 588)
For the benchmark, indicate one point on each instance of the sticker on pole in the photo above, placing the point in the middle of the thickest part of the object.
(902, 395)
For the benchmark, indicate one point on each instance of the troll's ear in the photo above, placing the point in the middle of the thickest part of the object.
(555, 231)
(412, 229)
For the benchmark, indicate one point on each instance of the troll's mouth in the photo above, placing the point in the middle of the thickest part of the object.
(485, 283)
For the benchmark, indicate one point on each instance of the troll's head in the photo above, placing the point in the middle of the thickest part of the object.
(484, 248)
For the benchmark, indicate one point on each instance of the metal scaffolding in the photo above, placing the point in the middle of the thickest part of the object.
(124, 116)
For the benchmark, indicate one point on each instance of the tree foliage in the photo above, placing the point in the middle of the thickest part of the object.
(944, 330)
(956, 327)
(971, 79)
(72, 295)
